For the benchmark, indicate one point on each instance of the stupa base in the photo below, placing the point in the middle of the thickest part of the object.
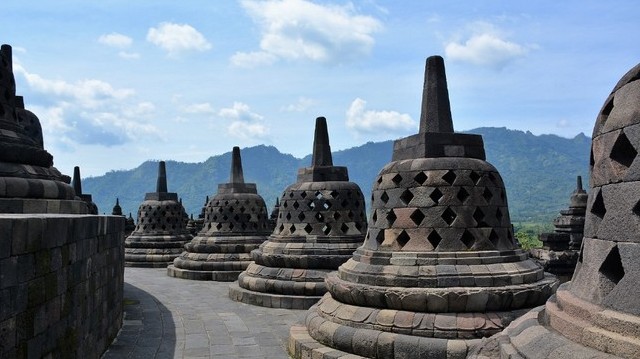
(218, 276)
(271, 300)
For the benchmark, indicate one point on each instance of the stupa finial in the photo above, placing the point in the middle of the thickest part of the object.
(236, 166)
(161, 184)
(76, 182)
(579, 184)
(436, 110)
(321, 148)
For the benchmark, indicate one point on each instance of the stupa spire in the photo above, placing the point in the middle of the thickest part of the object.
(436, 110)
(579, 184)
(76, 182)
(321, 148)
(161, 184)
(236, 166)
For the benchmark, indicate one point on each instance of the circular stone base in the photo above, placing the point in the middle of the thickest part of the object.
(219, 276)
(147, 264)
(271, 300)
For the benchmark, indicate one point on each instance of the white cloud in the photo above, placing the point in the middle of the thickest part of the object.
(244, 123)
(129, 55)
(176, 38)
(302, 30)
(361, 120)
(89, 112)
(485, 47)
(301, 105)
(116, 40)
(199, 108)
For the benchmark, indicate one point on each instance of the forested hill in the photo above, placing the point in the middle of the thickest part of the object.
(539, 173)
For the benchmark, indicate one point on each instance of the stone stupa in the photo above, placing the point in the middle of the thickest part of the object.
(28, 181)
(559, 254)
(439, 268)
(235, 223)
(597, 313)
(321, 221)
(160, 232)
(76, 182)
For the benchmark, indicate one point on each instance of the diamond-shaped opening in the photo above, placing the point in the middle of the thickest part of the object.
(288, 216)
(337, 215)
(312, 205)
(231, 226)
(308, 228)
(356, 204)
(326, 205)
(285, 204)
(478, 216)
(434, 238)
(449, 177)
(281, 228)
(420, 178)
(492, 177)
(296, 204)
(623, 151)
(301, 216)
(379, 180)
(225, 218)
(612, 267)
(319, 217)
(231, 209)
(499, 215)
(449, 215)
(502, 195)
(243, 225)
(436, 195)
(218, 226)
(397, 179)
(236, 218)
(636, 209)
(487, 195)
(475, 177)
(290, 194)
(494, 238)
(345, 203)
(318, 194)
(417, 216)
(344, 228)
(403, 238)
(220, 210)
(384, 197)
(374, 217)
(242, 209)
(467, 238)
(406, 196)
(303, 194)
(380, 237)
(462, 195)
(358, 227)
(292, 228)
(334, 194)
(326, 229)
(350, 215)
(598, 207)
(592, 160)
(391, 217)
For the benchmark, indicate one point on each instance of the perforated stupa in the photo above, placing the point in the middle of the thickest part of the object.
(160, 232)
(321, 221)
(439, 267)
(235, 223)
(597, 313)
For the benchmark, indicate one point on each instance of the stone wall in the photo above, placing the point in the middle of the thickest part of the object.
(61, 282)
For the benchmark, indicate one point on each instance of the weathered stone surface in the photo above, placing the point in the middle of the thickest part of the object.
(439, 268)
(321, 221)
(597, 313)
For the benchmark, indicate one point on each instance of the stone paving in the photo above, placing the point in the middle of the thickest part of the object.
(166, 317)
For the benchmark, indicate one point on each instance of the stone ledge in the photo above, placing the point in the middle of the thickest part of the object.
(271, 300)
(218, 276)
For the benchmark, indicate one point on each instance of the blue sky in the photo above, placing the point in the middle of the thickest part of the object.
(116, 83)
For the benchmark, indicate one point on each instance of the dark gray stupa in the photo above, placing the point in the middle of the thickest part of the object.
(76, 182)
(439, 268)
(597, 313)
(28, 181)
(321, 221)
(235, 223)
(160, 233)
(559, 254)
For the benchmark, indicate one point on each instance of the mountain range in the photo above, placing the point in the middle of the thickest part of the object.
(539, 173)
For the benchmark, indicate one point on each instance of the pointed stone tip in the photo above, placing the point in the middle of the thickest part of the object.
(77, 184)
(321, 147)
(161, 184)
(236, 166)
(117, 201)
(436, 109)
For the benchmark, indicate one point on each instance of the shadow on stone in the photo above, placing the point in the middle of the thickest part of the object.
(148, 329)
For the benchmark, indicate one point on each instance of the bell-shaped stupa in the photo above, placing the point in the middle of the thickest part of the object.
(160, 232)
(439, 268)
(597, 313)
(235, 223)
(320, 223)
(28, 181)
(559, 253)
